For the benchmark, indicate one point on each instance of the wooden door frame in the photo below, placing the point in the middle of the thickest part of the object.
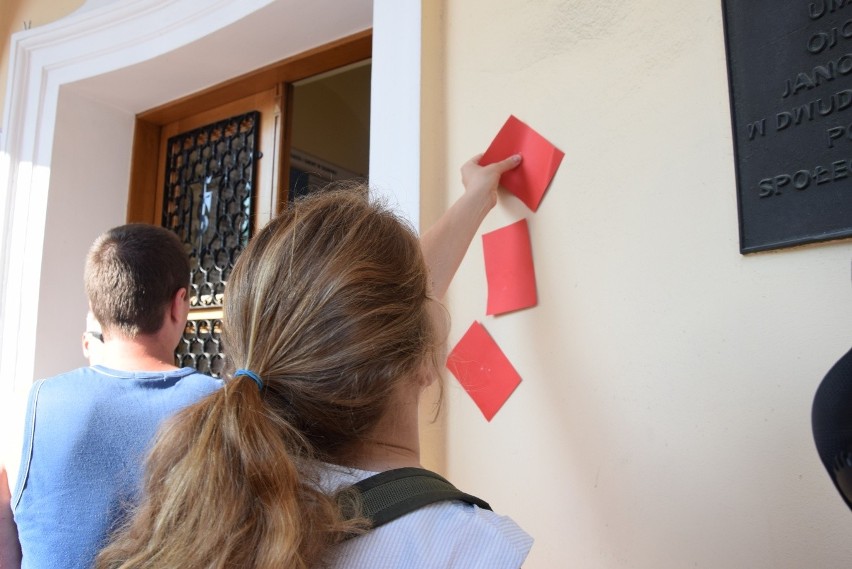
(143, 190)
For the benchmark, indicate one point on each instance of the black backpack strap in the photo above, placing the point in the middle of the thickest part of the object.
(394, 493)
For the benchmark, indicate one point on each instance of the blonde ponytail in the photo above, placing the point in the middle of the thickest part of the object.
(225, 487)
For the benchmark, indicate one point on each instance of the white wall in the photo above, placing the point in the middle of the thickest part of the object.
(663, 421)
(88, 195)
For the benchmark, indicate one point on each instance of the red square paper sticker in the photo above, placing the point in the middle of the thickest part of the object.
(483, 370)
(540, 161)
(509, 268)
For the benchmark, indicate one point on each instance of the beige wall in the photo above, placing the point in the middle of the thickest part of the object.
(35, 13)
(663, 421)
(434, 200)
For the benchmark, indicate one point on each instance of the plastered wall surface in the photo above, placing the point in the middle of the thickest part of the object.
(663, 421)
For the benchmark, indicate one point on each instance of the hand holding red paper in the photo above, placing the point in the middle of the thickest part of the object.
(478, 178)
(541, 159)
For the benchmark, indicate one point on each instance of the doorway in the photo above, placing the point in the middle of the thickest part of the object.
(232, 157)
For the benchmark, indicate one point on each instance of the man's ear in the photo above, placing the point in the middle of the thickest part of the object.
(179, 308)
(85, 344)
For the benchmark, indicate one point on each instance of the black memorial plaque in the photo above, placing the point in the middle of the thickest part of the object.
(790, 73)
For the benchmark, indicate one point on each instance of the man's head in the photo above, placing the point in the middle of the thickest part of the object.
(133, 273)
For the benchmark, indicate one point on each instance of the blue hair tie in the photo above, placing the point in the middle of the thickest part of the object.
(252, 375)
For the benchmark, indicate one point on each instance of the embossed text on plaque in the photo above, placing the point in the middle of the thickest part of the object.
(790, 72)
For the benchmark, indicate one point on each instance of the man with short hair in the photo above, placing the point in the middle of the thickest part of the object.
(87, 431)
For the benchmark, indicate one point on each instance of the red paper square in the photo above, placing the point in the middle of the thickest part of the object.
(483, 370)
(540, 161)
(509, 268)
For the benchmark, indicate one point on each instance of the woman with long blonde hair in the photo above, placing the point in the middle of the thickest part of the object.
(332, 330)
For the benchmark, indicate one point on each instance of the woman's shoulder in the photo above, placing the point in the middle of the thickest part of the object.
(444, 534)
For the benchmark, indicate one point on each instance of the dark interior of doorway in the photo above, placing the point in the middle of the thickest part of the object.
(330, 129)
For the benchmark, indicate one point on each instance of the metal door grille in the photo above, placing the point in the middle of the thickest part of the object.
(207, 201)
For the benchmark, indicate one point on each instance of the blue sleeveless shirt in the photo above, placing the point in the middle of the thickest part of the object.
(85, 440)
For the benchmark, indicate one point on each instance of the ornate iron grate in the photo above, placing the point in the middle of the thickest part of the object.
(200, 347)
(207, 199)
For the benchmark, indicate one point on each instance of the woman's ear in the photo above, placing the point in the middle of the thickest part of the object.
(426, 374)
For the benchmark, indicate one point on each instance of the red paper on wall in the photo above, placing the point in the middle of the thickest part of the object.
(509, 268)
(483, 370)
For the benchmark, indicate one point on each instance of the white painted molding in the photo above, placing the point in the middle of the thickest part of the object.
(395, 104)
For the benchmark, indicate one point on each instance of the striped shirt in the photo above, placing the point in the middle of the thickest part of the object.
(446, 534)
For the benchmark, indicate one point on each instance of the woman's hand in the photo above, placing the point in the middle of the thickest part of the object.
(482, 181)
